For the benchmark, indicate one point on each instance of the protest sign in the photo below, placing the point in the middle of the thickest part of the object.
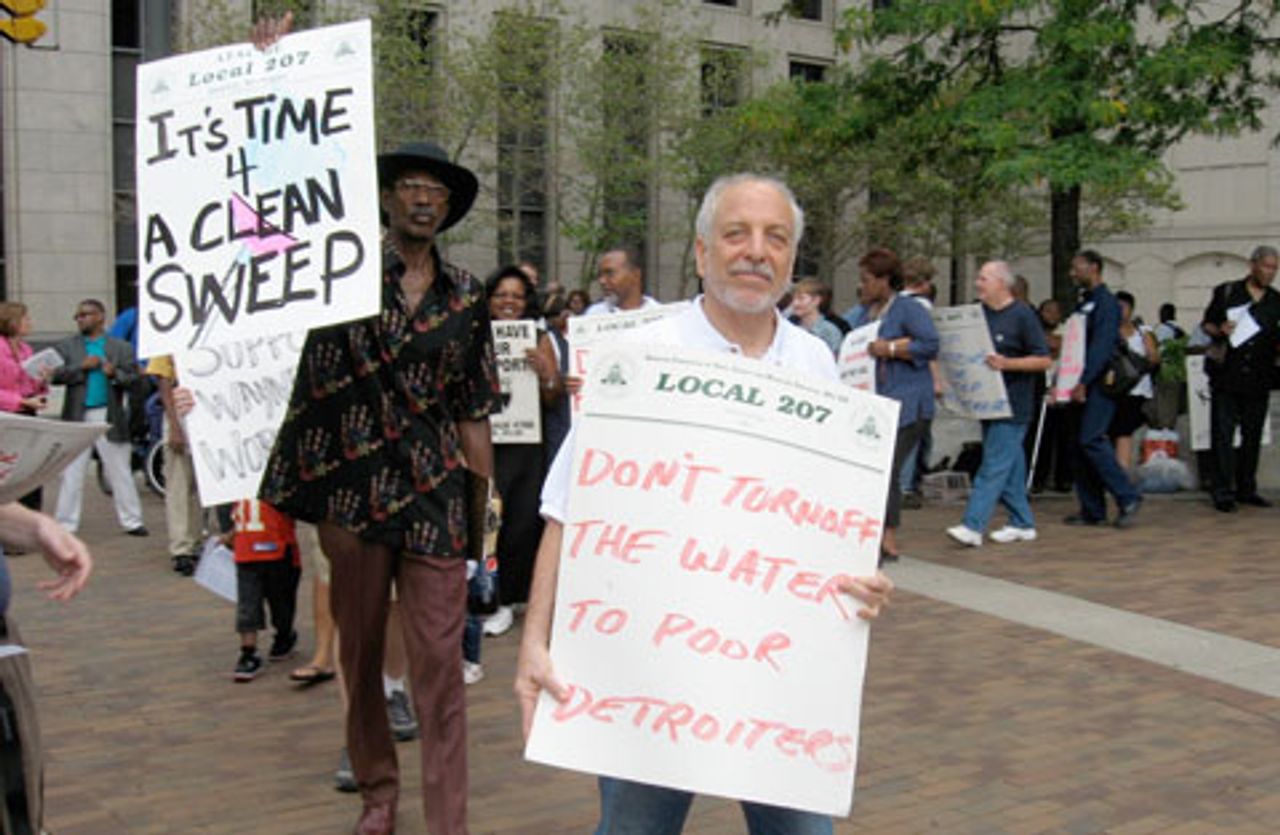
(588, 331)
(972, 388)
(857, 366)
(33, 451)
(241, 389)
(43, 363)
(216, 570)
(1199, 408)
(715, 502)
(1070, 359)
(257, 190)
(520, 421)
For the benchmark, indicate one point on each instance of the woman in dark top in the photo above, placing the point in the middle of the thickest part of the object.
(518, 467)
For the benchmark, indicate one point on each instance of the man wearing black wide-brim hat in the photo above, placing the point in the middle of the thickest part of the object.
(384, 413)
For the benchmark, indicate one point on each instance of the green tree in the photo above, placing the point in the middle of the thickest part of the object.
(1074, 96)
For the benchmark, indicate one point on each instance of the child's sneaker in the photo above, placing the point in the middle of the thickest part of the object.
(248, 666)
(471, 672)
(282, 646)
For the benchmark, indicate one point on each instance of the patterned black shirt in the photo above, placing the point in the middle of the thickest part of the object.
(370, 441)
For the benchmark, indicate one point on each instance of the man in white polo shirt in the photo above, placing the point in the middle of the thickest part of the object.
(748, 229)
(622, 281)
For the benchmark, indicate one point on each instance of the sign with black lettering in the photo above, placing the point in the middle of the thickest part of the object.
(242, 391)
(257, 190)
(520, 421)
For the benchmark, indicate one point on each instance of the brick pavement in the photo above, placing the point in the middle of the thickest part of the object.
(971, 724)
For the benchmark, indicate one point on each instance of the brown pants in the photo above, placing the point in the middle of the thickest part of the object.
(433, 604)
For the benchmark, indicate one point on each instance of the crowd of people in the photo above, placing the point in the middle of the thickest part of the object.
(385, 469)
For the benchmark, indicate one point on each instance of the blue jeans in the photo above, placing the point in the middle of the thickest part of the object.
(1097, 467)
(471, 634)
(628, 808)
(1001, 478)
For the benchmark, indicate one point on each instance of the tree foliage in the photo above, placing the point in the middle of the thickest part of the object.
(1078, 97)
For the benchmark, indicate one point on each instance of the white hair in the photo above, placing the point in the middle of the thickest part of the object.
(1002, 271)
(711, 202)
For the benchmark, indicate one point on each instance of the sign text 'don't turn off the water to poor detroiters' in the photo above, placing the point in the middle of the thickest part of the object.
(715, 503)
(257, 190)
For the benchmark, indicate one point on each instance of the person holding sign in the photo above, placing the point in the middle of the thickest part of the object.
(1098, 468)
(1021, 354)
(518, 465)
(906, 344)
(747, 231)
(387, 415)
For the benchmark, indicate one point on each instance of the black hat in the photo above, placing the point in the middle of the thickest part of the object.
(431, 158)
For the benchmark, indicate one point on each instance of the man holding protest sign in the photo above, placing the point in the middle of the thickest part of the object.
(386, 415)
(1020, 354)
(748, 229)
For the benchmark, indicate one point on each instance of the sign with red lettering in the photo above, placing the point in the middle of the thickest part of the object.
(716, 502)
(857, 366)
(257, 190)
(1070, 359)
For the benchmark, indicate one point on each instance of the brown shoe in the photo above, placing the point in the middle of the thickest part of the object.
(377, 819)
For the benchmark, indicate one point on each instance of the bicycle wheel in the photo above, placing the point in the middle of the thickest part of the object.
(154, 469)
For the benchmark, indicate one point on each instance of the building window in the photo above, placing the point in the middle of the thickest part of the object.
(422, 26)
(807, 9)
(807, 72)
(730, 3)
(523, 142)
(724, 78)
(881, 4)
(139, 30)
(304, 11)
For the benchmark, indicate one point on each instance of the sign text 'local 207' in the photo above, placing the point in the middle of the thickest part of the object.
(257, 190)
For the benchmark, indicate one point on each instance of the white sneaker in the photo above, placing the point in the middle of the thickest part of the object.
(1009, 534)
(471, 672)
(965, 536)
(499, 622)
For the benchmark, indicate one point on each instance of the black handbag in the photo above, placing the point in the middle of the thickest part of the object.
(1125, 371)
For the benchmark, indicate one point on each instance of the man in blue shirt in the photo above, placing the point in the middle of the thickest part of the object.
(1098, 467)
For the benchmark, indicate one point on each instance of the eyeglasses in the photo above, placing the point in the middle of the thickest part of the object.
(85, 314)
(519, 297)
(413, 188)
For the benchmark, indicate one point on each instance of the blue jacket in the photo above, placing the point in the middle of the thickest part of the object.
(908, 381)
(1102, 331)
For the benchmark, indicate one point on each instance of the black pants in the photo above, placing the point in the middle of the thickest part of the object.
(1234, 468)
(272, 581)
(908, 437)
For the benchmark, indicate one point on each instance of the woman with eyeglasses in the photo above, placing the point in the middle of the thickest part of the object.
(518, 467)
(20, 393)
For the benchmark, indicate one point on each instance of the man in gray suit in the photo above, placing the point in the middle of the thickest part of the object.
(98, 372)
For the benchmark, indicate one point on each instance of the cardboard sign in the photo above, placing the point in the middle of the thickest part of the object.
(1200, 408)
(588, 331)
(973, 389)
(242, 392)
(856, 365)
(34, 450)
(715, 501)
(257, 190)
(1070, 359)
(520, 421)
